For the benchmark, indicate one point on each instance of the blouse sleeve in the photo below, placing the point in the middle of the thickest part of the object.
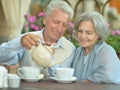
(107, 67)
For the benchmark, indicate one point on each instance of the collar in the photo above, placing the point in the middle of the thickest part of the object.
(59, 43)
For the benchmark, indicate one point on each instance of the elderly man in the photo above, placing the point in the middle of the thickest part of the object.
(58, 15)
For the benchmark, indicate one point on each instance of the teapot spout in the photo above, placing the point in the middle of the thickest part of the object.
(55, 62)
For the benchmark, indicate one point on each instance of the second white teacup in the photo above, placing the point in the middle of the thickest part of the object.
(64, 73)
(29, 72)
(14, 81)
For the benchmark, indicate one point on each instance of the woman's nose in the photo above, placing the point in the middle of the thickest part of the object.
(83, 35)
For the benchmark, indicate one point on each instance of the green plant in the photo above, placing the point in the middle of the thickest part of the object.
(33, 23)
(114, 40)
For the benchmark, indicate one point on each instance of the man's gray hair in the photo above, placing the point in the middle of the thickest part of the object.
(99, 23)
(61, 5)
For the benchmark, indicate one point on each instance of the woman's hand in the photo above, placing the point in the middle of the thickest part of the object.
(12, 68)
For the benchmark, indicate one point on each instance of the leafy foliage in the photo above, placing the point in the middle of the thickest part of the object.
(114, 40)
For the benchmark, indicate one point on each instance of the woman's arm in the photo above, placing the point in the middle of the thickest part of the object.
(108, 67)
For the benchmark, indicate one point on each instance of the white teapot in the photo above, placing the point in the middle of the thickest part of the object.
(43, 56)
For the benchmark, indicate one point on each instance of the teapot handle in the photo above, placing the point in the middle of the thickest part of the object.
(20, 73)
(49, 49)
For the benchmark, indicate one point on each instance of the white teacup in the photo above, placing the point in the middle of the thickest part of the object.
(29, 72)
(14, 81)
(64, 73)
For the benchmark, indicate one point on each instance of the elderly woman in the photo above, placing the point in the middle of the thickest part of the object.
(95, 60)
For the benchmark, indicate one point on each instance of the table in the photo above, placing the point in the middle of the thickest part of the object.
(52, 85)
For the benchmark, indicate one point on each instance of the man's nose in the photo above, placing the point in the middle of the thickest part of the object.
(59, 27)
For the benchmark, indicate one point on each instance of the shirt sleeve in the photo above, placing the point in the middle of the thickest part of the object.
(108, 67)
(11, 51)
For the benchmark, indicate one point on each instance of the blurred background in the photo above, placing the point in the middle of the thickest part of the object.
(12, 20)
(109, 8)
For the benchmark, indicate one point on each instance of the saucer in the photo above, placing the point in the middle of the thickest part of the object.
(33, 79)
(63, 80)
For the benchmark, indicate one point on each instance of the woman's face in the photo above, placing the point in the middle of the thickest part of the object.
(87, 35)
(55, 25)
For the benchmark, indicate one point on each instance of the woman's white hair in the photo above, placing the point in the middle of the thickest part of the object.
(99, 23)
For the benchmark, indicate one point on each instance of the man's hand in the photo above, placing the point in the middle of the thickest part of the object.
(30, 40)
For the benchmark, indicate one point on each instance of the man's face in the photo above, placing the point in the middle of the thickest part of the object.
(55, 25)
